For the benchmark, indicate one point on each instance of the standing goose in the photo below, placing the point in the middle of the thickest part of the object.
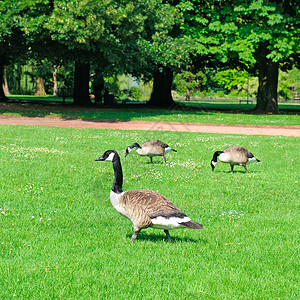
(151, 148)
(235, 155)
(144, 208)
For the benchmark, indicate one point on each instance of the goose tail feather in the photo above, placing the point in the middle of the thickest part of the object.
(192, 225)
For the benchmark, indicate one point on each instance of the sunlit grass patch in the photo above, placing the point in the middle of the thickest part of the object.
(61, 237)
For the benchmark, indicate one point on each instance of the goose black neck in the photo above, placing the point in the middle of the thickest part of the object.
(216, 154)
(118, 181)
(135, 145)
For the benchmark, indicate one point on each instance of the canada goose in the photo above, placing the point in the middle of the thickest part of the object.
(144, 208)
(235, 155)
(151, 148)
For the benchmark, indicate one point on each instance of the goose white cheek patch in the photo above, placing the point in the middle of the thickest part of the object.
(110, 156)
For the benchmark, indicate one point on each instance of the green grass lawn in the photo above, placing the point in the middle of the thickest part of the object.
(61, 238)
(126, 113)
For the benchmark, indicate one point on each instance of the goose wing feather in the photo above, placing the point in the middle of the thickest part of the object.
(153, 203)
(155, 143)
(239, 149)
(145, 206)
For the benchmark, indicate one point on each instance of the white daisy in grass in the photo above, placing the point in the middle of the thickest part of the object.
(5, 211)
(61, 139)
(29, 152)
(32, 188)
(189, 164)
(232, 215)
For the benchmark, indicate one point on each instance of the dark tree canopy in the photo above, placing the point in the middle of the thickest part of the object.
(154, 38)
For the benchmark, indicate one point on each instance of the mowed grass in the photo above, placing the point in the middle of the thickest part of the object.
(60, 238)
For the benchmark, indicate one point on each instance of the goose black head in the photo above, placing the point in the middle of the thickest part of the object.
(213, 164)
(128, 150)
(131, 147)
(110, 155)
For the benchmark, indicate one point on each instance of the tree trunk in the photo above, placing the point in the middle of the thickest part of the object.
(54, 74)
(267, 87)
(161, 95)
(188, 92)
(81, 84)
(188, 95)
(40, 87)
(5, 85)
(2, 94)
(18, 78)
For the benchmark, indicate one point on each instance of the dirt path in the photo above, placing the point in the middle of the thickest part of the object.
(166, 126)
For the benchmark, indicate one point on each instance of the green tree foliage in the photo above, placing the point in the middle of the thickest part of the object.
(232, 78)
(116, 35)
(187, 82)
(105, 33)
(257, 35)
(135, 93)
(154, 38)
(289, 83)
(12, 42)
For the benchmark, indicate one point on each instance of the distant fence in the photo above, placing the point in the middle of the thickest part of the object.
(295, 100)
(296, 96)
(218, 99)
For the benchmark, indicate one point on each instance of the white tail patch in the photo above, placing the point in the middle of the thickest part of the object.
(168, 149)
(171, 223)
(251, 160)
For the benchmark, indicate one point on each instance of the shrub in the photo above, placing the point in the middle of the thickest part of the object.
(220, 94)
(135, 93)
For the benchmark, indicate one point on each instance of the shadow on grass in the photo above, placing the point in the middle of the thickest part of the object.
(242, 171)
(31, 106)
(53, 107)
(144, 236)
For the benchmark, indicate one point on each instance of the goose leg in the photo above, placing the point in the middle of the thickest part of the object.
(151, 159)
(168, 235)
(231, 168)
(245, 168)
(165, 159)
(136, 231)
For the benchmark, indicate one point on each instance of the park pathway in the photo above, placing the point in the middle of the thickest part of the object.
(164, 126)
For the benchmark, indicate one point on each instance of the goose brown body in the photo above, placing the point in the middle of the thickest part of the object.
(145, 208)
(151, 148)
(235, 155)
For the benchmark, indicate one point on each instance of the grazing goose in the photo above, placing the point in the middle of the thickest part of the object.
(151, 148)
(235, 155)
(144, 208)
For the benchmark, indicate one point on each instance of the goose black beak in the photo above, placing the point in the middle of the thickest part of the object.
(99, 159)
(126, 152)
